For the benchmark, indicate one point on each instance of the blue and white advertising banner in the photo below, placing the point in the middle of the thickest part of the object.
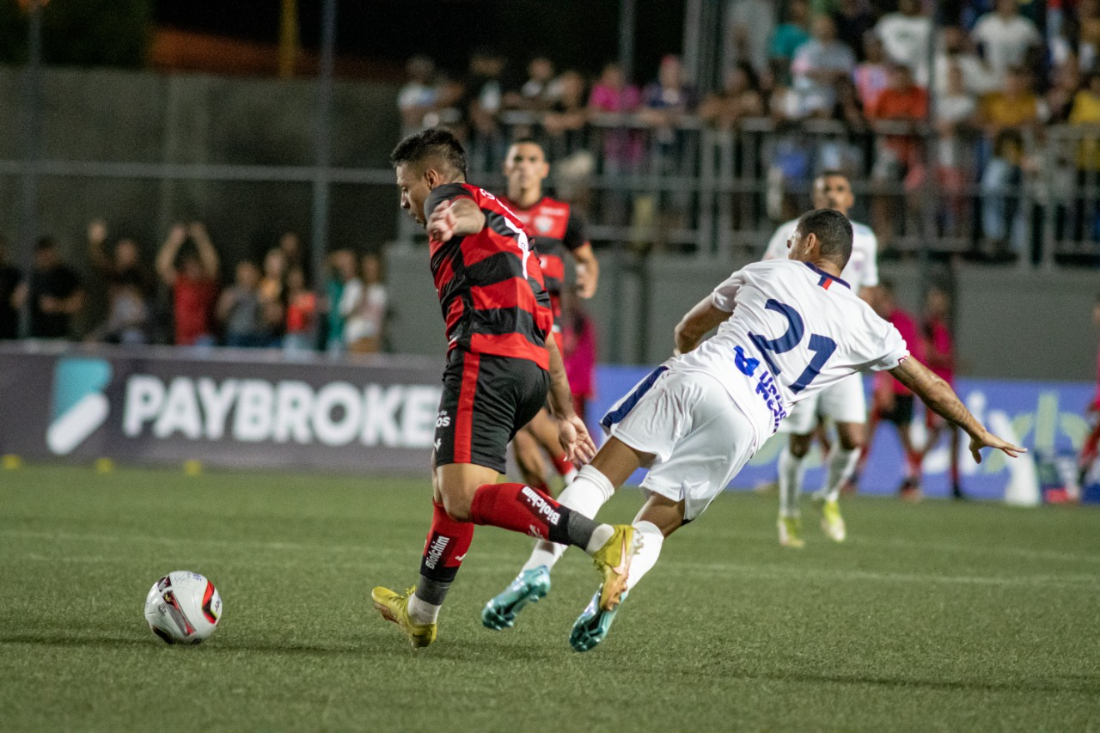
(1046, 417)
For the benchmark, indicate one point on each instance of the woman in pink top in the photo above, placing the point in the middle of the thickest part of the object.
(611, 94)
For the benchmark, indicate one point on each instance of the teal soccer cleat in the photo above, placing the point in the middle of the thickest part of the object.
(592, 625)
(529, 587)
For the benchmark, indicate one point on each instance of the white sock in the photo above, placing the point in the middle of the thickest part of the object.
(422, 612)
(643, 562)
(589, 491)
(791, 472)
(570, 476)
(842, 464)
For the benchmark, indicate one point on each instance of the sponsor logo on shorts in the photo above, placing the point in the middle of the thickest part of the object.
(540, 506)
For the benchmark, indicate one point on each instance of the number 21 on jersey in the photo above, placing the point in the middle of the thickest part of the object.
(821, 346)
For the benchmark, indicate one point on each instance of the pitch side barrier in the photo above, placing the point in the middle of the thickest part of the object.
(222, 407)
(258, 409)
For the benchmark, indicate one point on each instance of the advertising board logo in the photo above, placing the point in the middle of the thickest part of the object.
(79, 405)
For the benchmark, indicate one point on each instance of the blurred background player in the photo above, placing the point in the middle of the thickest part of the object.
(843, 403)
(557, 228)
(892, 401)
(1092, 441)
(939, 354)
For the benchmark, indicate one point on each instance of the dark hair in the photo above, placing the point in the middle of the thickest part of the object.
(887, 284)
(434, 144)
(833, 232)
(44, 243)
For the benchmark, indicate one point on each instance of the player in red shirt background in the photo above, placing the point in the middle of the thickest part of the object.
(556, 229)
(1092, 440)
(939, 355)
(891, 400)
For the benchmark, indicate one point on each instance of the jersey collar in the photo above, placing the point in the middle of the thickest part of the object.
(824, 274)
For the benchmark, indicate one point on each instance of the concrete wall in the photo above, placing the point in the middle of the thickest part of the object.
(1009, 324)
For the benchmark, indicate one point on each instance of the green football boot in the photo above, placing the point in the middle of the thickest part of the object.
(592, 625)
(530, 586)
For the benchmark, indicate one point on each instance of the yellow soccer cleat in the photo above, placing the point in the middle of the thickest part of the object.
(832, 524)
(790, 532)
(613, 562)
(395, 607)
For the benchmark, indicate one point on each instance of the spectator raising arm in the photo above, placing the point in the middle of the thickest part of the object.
(166, 258)
(208, 256)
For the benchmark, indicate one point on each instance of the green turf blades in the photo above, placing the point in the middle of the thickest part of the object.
(530, 586)
(592, 625)
(942, 616)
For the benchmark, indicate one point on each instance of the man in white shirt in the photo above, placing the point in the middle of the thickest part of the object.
(1005, 37)
(905, 36)
(844, 403)
(786, 329)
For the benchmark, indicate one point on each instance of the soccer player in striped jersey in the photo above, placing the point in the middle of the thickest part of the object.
(502, 364)
(787, 329)
(557, 229)
(843, 403)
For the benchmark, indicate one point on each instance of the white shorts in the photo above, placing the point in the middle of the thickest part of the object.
(699, 436)
(842, 402)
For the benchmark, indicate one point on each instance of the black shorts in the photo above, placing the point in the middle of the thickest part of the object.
(486, 400)
(902, 414)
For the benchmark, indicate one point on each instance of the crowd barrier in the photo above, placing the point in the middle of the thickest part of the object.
(238, 409)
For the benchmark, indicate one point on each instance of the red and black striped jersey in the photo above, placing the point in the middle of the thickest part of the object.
(489, 285)
(556, 227)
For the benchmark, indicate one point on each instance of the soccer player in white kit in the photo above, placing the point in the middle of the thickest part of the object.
(843, 402)
(786, 330)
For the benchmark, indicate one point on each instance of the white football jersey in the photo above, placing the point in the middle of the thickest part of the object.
(862, 268)
(794, 330)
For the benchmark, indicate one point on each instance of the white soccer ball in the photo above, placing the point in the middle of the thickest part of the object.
(183, 608)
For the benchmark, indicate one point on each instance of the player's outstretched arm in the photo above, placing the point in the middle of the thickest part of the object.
(457, 218)
(942, 400)
(697, 323)
(575, 440)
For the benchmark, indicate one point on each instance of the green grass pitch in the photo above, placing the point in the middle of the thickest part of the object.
(940, 616)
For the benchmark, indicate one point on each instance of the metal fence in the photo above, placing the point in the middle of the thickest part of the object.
(1032, 196)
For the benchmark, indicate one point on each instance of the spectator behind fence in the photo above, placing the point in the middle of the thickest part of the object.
(194, 282)
(957, 49)
(622, 149)
(54, 293)
(129, 286)
(364, 306)
(750, 26)
(1006, 117)
(1006, 38)
(341, 272)
(420, 94)
(1085, 117)
(241, 312)
(905, 36)
(568, 114)
(291, 245)
(898, 151)
(1060, 98)
(818, 65)
(10, 278)
(738, 99)
(484, 90)
(541, 89)
(273, 294)
(1088, 38)
(668, 98)
(871, 75)
(956, 111)
(788, 36)
(854, 20)
(301, 313)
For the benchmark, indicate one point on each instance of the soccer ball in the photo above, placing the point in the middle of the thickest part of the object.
(183, 608)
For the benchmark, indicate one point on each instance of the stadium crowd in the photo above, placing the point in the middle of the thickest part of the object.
(997, 76)
(182, 299)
